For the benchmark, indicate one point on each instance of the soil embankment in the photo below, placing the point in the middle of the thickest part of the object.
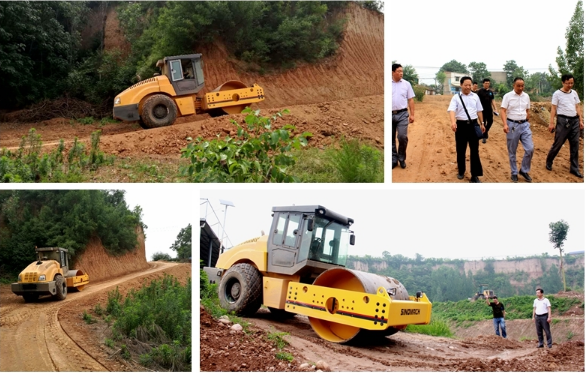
(431, 153)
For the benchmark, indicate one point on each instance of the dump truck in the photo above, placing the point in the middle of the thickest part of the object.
(299, 268)
(158, 101)
(483, 293)
(49, 275)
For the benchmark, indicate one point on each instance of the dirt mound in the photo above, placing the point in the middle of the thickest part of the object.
(58, 108)
(100, 265)
(431, 153)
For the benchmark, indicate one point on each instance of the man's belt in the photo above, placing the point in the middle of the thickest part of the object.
(466, 121)
(567, 117)
(399, 111)
(517, 121)
(545, 314)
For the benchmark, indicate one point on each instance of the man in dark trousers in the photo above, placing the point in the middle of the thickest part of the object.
(542, 317)
(498, 316)
(565, 104)
(402, 97)
(488, 107)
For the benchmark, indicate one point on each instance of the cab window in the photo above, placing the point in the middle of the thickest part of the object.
(176, 70)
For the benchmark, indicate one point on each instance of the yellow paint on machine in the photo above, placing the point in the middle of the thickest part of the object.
(185, 105)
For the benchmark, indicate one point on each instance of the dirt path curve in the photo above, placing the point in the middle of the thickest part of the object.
(32, 338)
(431, 152)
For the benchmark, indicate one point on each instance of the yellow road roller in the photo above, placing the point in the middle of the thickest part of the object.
(158, 101)
(299, 268)
(49, 275)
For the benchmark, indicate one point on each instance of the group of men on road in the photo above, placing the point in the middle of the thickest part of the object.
(475, 107)
(541, 317)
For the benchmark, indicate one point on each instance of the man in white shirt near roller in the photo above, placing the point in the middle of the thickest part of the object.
(542, 317)
(564, 105)
(515, 115)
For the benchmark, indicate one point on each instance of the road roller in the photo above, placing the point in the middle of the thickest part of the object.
(49, 275)
(299, 268)
(158, 101)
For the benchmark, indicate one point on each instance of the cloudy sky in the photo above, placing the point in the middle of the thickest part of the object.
(446, 223)
(429, 33)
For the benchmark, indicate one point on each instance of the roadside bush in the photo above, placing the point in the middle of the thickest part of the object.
(357, 163)
(161, 256)
(256, 154)
(419, 92)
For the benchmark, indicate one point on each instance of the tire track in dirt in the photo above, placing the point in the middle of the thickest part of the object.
(32, 338)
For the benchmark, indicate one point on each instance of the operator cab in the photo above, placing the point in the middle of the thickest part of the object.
(185, 73)
(308, 240)
(58, 254)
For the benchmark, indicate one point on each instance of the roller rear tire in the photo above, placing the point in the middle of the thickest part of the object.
(240, 289)
(158, 111)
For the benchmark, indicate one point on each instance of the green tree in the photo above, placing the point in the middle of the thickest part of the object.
(478, 71)
(572, 60)
(513, 71)
(410, 75)
(557, 235)
(440, 78)
(454, 66)
(182, 244)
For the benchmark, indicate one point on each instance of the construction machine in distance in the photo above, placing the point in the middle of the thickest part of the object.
(157, 101)
(299, 268)
(483, 293)
(49, 275)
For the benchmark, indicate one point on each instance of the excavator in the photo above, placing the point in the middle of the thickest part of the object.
(158, 101)
(300, 268)
(49, 275)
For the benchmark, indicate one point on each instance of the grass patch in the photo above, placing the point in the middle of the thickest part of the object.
(88, 318)
(281, 355)
(570, 335)
(438, 327)
(108, 342)
(277, 339)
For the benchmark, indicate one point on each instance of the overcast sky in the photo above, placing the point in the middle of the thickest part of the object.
(166, 210)
(434, 223)
(429, 33)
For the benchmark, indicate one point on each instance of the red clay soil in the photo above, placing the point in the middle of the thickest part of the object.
(223, 350)
(431, 153)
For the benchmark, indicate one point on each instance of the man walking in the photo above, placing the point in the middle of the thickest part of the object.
(542, 317)
(498, 316)
(402, 97)
(487, 100)
(463, 118)
(564, 103)
(515, 113)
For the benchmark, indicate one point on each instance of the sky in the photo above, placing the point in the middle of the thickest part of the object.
(433, 223)
(428, 33)
(165, 210)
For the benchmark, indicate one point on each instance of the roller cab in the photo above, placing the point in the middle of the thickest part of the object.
(158, 101)
(299, 268)
(49, 275)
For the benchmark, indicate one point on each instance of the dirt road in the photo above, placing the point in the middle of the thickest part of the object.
(431, 152)
(50, 335)
(478, 350)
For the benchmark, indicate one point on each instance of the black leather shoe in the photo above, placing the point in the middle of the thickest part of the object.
(460, 176)
(577, 173)
(403, 164)
(526, 176)
(475, 179)
(540, 346)
(548, 166)
(514, 178)
(395, 164)
(484, 141)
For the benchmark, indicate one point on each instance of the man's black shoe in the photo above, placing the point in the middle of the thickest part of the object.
(460, 176)
(526, 176)
(395, 164)
(548, 166)
(484, 141)
(475, 179)
(514, 178)
(540, 346)
(403, 164)
(577, 173)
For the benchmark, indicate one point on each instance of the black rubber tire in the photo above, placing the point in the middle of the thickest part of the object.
(240, 289)
(158, 111)
(61, 286)
(279, 314)
(29, 298)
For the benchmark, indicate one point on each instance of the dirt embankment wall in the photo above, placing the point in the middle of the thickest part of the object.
(356, 70)
(100, 265)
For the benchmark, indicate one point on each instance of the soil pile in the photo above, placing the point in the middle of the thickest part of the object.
(100, 265)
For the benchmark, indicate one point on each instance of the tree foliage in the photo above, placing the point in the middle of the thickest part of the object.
(64, 218)
(513, 71)
(571, 61)
(478, 71)
(455, 67)
(440, 78)
(182, 244)
(557, 235)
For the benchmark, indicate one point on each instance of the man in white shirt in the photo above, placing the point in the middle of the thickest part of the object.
(463, 126)
(402, 97)
(542, 317)
(564, 103)
(515, 114)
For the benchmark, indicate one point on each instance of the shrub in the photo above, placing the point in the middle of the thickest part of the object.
(356, 163)
(438, 327)
(161, 256)
(88, 318)
(419, 92)
(284, 356)
(108, 342)
(256, 154)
